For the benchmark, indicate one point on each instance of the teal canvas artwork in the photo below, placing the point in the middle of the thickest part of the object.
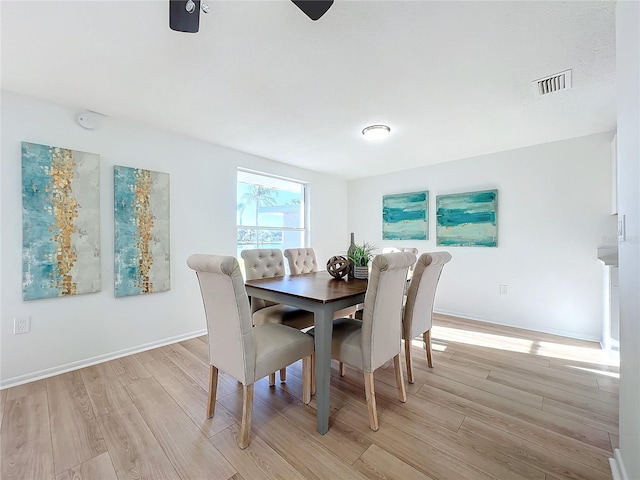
(405, 216)
(141, 212)
(60, 222)
(467, 219)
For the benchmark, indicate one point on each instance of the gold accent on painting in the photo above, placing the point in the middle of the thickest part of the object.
(144, 220)
(65, 211)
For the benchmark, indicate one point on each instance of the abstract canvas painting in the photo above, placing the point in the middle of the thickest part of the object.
(467, 219)
(142, 259)
(60, 222)
(405, 216)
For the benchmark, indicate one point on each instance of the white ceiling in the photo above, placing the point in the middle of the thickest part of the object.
(452, 79)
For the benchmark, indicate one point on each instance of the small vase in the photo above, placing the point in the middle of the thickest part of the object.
(361, 272)
(352, 246)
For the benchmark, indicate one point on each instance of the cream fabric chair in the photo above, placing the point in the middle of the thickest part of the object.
(236, 347)
(410, 272)
(418, 311)
(402, 249)
(266, 263)
(370, 343)
(301, 260)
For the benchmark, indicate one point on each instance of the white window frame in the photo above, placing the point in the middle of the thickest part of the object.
(305, 230)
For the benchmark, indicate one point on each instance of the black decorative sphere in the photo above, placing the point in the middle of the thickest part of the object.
(338, 266)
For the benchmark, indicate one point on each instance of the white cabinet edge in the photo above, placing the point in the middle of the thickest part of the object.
(614, 175)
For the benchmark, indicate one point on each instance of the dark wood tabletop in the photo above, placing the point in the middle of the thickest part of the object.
(316, 286)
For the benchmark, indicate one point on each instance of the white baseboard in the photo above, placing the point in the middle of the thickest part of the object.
(50, 372)
(618, 472)
(552, 331)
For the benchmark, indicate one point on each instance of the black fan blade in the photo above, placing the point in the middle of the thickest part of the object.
(313, 9)
(182, 21)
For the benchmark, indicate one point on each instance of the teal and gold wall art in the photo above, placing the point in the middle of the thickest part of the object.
(60, 222)
(141, 210)
(467, 219)
(405, 216)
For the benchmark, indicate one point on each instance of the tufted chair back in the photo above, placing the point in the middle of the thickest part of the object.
(262, 263)
(301, 260)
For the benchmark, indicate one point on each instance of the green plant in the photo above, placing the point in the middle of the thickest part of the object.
(360, 255)
(260, 196)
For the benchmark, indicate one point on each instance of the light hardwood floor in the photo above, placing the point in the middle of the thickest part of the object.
(499, 403)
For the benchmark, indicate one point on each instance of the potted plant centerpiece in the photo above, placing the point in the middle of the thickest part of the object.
(361, 255)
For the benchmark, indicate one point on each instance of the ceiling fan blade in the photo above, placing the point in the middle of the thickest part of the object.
(313, 9)
(180, 19)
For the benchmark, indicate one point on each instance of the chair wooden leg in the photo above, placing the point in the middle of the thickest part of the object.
(342, 369)
(427, 346)
(402, 394)
(272, 379)
(283, 375)
(370, 393)
(407, 357)
(247, 407)
(313, 373)
(213, 386)
(306, 380)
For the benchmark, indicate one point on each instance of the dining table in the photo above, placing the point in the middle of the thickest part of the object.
(322, 294)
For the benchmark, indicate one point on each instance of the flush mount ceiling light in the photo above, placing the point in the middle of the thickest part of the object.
(376, 132)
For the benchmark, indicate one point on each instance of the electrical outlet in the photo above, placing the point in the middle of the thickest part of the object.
(21, 325)
(504, 289)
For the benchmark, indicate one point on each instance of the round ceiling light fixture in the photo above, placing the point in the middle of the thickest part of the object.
(376, 132)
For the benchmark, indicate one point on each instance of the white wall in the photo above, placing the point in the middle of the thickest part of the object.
(628, 89)
(68, 332)
(553, 212)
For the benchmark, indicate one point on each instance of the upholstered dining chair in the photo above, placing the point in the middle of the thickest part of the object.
(369, 343)
(418, 310)
(238, 348)
(301, 260)
(402, 249)
(266, 263)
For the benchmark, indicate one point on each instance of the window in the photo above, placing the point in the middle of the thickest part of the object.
(270, 212)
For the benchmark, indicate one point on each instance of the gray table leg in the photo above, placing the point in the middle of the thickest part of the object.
(323, 320)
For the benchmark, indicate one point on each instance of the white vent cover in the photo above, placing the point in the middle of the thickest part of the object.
(553, 83)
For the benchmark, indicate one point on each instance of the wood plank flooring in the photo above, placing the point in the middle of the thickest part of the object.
(500, 403)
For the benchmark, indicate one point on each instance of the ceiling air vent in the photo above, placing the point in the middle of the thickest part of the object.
(553, 83)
